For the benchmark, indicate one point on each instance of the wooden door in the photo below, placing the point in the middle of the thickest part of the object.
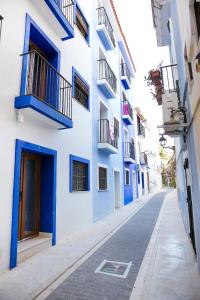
(39, 68)
(29, 196)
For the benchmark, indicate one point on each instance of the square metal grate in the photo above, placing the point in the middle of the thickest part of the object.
(114, 268)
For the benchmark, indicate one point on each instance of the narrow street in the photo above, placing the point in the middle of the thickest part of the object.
(128, 244)
(142, 234)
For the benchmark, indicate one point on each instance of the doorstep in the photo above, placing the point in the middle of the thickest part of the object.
(30, 247)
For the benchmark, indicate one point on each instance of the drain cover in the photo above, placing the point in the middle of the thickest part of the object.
(114, 268)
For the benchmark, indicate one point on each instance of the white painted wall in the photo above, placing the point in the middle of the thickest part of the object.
(74, 210)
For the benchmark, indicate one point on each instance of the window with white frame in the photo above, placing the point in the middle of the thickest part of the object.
(103, 178)
(127, 177)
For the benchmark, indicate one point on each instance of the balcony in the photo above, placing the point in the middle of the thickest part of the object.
(129, 152)
(143, 159)
(108, 137)
(107, 82)
(46, 92)
(127, 112)
(141, 130)
(63, 12)
(105, 30)
(125, 76)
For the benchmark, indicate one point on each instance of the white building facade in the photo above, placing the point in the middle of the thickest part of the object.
(69, 141)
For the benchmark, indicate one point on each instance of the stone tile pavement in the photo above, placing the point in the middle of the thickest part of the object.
(128, 244)
(31, 277)
(167, 269)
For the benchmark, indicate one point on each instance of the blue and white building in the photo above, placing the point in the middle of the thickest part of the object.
(69, 153)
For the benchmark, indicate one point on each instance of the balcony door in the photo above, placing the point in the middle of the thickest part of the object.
(29, 196)
(38, 69)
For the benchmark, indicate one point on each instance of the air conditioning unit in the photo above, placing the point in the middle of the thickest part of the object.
(170, 101)
(173, 117)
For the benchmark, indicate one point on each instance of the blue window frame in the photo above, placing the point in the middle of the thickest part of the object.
(79, 174)
(82, 24)
(80, 89)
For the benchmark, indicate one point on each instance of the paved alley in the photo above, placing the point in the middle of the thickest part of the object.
(127, 245)
(149, 233)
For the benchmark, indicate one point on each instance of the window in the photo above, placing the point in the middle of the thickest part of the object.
(82, 24)
(190, 70)
(116, 127)
(127, 177)
(81, 90)
(1, 20)
(138, 177)
(103, 179)
(79, 174)
(197, 16)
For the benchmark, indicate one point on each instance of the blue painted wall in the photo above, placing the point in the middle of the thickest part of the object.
(190, 141)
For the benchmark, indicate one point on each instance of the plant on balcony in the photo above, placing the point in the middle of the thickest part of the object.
(154, 78)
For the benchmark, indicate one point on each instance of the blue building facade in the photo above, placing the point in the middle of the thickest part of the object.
(183, 45)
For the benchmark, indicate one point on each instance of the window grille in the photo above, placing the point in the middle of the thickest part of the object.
(82, 24)
(81, 92)
(127, 177)
(80, 176)
(103, 178)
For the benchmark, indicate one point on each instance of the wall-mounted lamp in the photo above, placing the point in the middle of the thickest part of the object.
(162, 141)
(1, 21)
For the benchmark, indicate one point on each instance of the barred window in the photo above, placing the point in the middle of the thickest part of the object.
(81, 91)
(127, 177)
(80, 176)
(103, 185)
(82, 24)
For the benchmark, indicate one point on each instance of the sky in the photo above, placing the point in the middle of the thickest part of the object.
(136, 20)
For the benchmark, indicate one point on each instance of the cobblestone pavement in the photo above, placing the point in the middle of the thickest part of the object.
(129, 243)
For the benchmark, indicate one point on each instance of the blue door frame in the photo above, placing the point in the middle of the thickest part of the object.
(48, 222)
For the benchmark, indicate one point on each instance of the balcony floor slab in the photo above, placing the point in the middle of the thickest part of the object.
(105, 88)
(31, 103)
(104, 36)
(127, 120)
(125, 82)
(106, 147)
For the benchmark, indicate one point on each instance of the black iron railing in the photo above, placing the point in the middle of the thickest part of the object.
(141, 129)
(105, 72)
(125, 71)
(169, 78)
(143, 158)
(45, 83)
(67, 8)
(129, 150)
(104, 20)
(127, 108)
(107, 133)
